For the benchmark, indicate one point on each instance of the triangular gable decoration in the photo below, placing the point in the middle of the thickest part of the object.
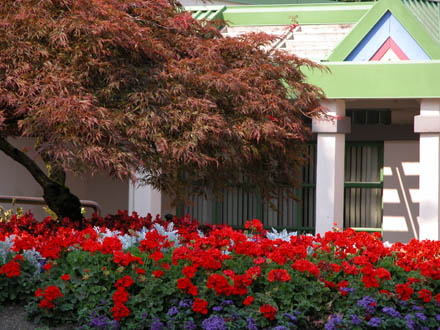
(395, 30)
(389, 37)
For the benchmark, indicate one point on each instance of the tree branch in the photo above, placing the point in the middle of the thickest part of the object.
(25, 161)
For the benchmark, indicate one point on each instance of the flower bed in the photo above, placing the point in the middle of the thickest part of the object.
(138, 273)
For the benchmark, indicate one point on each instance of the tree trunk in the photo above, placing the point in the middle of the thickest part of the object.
(57, 196)
(62, 201)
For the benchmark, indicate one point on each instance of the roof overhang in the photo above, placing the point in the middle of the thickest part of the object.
(322, 13)
(376, 80)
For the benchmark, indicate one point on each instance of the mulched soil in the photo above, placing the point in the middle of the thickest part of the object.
(14, 318)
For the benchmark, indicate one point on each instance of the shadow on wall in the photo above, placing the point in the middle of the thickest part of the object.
(15, 180)
(401, 191)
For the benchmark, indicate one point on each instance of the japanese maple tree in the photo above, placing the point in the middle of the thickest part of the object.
(126, 86)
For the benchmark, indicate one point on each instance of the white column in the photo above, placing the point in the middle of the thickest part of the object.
(144, 199)
(428, 125)
(330, 167)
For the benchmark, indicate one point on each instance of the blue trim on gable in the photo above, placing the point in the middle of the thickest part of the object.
(387, 26)
(371, 43)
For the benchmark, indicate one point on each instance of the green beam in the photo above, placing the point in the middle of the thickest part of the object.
(348, 184)
(332, 13)
(377, 80)
(281, 2)
(368, 230)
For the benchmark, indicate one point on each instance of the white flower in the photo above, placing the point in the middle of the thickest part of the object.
(283, 235)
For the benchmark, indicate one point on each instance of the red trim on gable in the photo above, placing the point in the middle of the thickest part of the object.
(387, 45)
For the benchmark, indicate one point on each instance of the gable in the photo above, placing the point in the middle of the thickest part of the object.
(387, 35)
(388, 19)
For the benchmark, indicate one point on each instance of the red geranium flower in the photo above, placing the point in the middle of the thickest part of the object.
(10, 269)
(65, 277)
(119, 311)
(111, 244)
(404, 291)
(52, 292)
(120, 296)
(18, 257)
(426, 295)
(158, 273)
(268, 311)
(343, 284)
(220, 284)
(125, 282)
(39, 292)
(46, 304)
(255, 224)
(306, 266)
(278, 275)
(189, 271)
(200, 306)
(192, 290)
(47, 266)
(248, 300)
(184, 283)
(140, 271)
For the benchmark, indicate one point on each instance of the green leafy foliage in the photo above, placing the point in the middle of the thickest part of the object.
(17, 289)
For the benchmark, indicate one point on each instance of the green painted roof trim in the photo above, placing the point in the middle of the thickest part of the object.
(207, 12)
(323, 13)
(331, 13)
(428, 15)
(405, 17)
(280, 2)
(378, 80)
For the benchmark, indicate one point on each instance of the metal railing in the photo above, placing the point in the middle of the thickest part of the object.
(40, 201)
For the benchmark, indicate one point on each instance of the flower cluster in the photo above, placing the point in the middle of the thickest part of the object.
(227, 278)
(48, 296)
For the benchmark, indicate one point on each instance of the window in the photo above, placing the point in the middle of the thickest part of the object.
(369, 117)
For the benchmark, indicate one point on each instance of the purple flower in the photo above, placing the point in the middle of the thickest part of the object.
(410, 323)
(185, 303)
(437, 317)
(417, 308)
(190, 325)
(173, 311)
(290, 317)
(217, 308)
(251, 325)
(42, 263)
(280, 327)
(348, 290)
(375, 322)
(234, 316)
(368, 303)
(333, 322)
(157, 325)
(100, 322)
(421, 316)
(391, 311)
(214, 322)
(355, 320)
(226, 303)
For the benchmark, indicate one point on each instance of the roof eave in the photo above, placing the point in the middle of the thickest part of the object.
(378, 80)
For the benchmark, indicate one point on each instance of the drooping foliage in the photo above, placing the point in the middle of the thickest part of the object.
(139, 86)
